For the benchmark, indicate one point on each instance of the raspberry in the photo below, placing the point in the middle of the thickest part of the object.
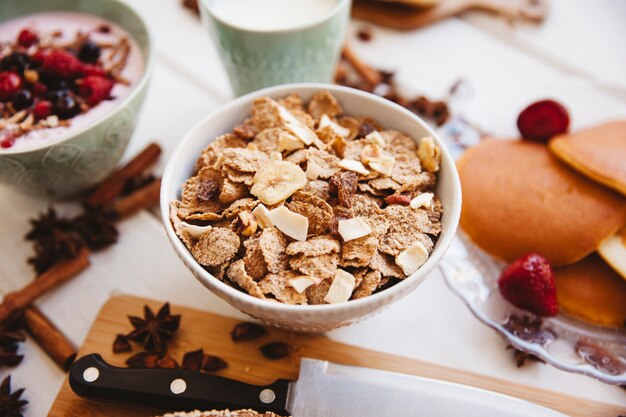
(95, 88)
(89, 69)
(40, 89)
(59, 63)
(7, 141)
(542, 120)
(528, 283)
(42, 109)
(27, 38)
(10, 82)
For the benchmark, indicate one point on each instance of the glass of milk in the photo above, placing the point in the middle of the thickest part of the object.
(270, 42)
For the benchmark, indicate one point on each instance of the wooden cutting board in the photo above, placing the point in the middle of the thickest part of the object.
(403, 16)
(212, 333)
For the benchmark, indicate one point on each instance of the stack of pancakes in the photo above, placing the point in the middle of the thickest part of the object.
(565, 201)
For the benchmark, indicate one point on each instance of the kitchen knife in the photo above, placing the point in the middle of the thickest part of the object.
(323, 389)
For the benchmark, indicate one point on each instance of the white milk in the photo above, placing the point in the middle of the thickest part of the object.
(267, 15)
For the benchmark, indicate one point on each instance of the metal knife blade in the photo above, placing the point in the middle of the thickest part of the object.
(326, 389)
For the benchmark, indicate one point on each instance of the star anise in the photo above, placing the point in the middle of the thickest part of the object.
(95, 226)
(10, 403)
(10, 337)
(54, 240)
(57, 239)
(154, 331)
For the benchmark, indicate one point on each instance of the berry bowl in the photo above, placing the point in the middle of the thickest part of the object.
(79, 153)
(319, 317)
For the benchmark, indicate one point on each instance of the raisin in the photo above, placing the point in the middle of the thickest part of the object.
(343, 186)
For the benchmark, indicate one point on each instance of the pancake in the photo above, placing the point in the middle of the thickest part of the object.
(518, 198)
(613, 251)
(591, 291)
(598, 152)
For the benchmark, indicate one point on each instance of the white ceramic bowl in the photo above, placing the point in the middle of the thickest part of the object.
(314, 318)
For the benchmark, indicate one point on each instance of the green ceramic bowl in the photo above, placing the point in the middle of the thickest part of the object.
(87, 154)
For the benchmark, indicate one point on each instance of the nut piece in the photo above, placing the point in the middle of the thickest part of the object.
(422, 200)
(341, 288)
(262, 215)
(277, 181)
(429, 154)
(376, 138)
(248, 223)
(292, 224)
(313, 170)
(325, 121)
(301, 283)
(412, 258)
(353, 229)
(352, 165)
(288, 142)
(384, 164)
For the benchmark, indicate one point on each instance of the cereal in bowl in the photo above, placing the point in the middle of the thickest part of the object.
(302, 204)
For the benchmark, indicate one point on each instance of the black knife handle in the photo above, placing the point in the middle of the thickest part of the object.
(172, 389)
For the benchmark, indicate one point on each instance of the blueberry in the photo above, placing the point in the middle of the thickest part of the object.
(89, 52)
(66, 107)
(22, 99)
(15, 61)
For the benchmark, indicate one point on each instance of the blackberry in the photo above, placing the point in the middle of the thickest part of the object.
(89, 52)
(23, 99)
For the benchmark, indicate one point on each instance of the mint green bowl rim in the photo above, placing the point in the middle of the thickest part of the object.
(145, 77)
(332, 13)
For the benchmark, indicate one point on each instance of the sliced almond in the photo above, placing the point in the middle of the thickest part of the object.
(353, 228)
(412, 258)
(337, 128)
(286, 115)
(248, 222)
(301, 283)
(292, 224)
(384, 164)
(193, 230)
(352, 165)
(429, 154)
(341, 288)
(313, 170)
(277, 181)
(376, 138)
(276, 156)
(370, 153)
(262, 215)
(422, 200)
(288, 142)
(306, 135)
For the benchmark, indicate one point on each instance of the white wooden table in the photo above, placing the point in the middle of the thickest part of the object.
(578, 57)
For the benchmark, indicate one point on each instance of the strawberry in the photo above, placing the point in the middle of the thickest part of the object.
(95, 88)
(27, 37)
(10, 82)
(528, 283)
(59, 63)
(42, 109)
(542, 120)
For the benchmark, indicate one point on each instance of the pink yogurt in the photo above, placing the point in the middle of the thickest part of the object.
(71, 23)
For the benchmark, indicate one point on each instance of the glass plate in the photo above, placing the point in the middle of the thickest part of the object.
(561, 341)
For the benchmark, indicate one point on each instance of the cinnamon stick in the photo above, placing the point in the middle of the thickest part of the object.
(49, 338)
(53, 277)
(111, 187)
(369, 74)
(145, 197)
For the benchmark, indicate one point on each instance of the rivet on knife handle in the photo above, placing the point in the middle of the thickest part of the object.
(172, 389)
